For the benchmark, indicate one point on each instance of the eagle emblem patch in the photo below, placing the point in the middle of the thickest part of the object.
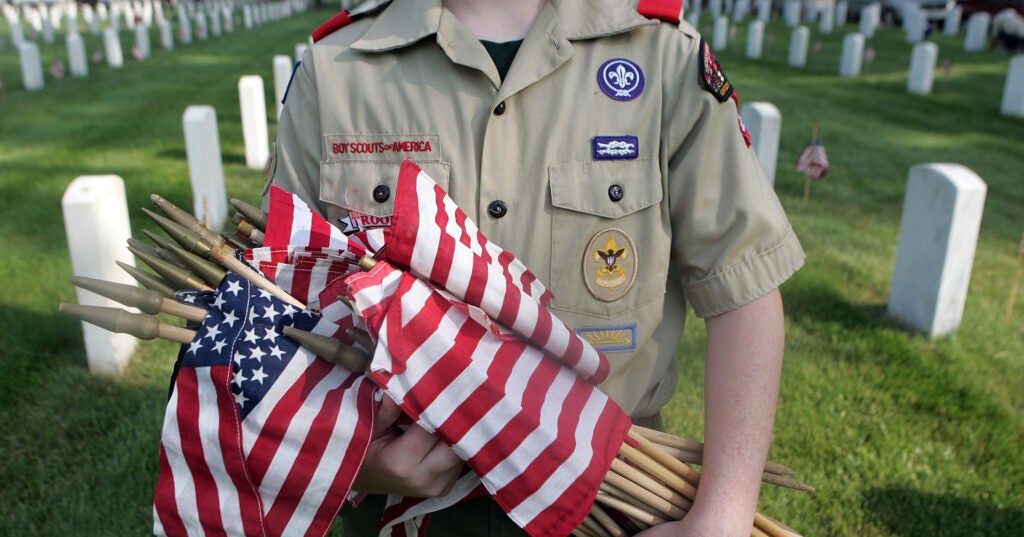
(712, 78)
(610, 264)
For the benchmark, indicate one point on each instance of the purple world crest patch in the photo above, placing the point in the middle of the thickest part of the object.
(621, 79)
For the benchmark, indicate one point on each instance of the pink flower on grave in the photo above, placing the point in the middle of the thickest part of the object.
(771, 38)
(817, 46)
(947, 67)
(869, 55)
(732, 32)
(97, 57)
(137, 53)
(57, 69)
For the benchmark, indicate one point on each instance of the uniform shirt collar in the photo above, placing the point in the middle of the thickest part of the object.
(405, 22)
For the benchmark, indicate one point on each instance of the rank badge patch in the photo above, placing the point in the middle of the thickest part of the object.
(615, 147)
(712, 78)
(610, 264)
(621, 79)
(610, 338)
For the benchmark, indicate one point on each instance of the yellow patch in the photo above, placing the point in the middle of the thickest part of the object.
(610, 338)
(610, 264)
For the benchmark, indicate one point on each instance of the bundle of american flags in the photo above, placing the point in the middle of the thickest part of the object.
(262, 436)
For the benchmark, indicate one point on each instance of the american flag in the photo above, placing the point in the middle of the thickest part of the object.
(434, 239)
(813, 161)
(260, 437)
(539, 437)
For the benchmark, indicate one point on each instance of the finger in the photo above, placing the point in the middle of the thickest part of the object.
(387, 414)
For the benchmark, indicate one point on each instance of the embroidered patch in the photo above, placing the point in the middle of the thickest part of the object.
(712, 78)
(615, 147)
(610, 338)
(356, 222)
(610, 264)
(621, 79)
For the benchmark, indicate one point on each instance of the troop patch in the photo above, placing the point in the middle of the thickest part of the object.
(356, 222)
(610, 264)
(615, 147)
(711, 76)
(610, 338)
(621, 79)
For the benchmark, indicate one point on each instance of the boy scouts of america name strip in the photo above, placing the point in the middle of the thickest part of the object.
(342, 147)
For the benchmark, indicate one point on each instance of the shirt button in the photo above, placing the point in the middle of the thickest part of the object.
(381, 193)
(500, 109)
(615, 193)
(497, 209)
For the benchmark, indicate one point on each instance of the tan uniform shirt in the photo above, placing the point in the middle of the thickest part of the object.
(600, 161)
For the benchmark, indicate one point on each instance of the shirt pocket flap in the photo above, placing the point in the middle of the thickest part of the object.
(606, 189)
(351, 185)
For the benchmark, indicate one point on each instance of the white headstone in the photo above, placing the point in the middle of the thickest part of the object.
(853, 55)
(764, 121)
(720, 39)
(693, 18)
(740, 10)
(78, 61)
(202, 30)
(798, 46)
(914, 24)
(282, 74)
(764, 10)
(755, 39)
(951, 26)
(300, 49)
(215, 23)
(184, 28)
(247, 16)
(47, 30)
(254, 121)
(166, 35)
(922, 68)
(142, 45)
(17, 34)
(826, 18)
(94, 25)
(1013, 90)
(842, 12)
(229, 24)
(715, 9)
(938, 234)
(977, 32)
(791, 12)
(868, 20)
(31, 66)
(205, 169)
(112, 48)
(97, 227)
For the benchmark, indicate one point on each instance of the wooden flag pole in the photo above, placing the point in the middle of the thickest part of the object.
(1016, 280)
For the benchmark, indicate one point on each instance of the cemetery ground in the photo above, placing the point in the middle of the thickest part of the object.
(902, 435)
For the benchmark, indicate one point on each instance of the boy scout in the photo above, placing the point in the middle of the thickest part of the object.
(609, 158)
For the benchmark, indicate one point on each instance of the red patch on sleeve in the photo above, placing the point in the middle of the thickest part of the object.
(666, 10)
(340, 20)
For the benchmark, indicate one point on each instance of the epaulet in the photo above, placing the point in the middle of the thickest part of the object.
(345, 17)
(666, 10)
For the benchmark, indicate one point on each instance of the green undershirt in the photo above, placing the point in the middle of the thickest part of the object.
(502, 54)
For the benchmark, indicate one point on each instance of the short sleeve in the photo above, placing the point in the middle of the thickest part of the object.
(732, 242)
(297, 151)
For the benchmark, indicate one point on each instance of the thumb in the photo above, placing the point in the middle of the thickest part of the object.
(387, 414)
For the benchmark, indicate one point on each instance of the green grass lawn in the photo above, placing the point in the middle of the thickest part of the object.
(902, 435)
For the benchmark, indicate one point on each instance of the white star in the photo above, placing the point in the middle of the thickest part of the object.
(276, 352)
(213, 332)
(240, 398)
(233, 288)
(218, 345)
(250, 335)
(195, 346)
(258, 375)
(238, 377)
(257, 354)
(270, 313)
(219, 301)
(229, 318)
(288, 310)
(189, 299)
(265, 295)
(238, 357)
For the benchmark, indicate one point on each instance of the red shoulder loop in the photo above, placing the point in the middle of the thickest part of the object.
(666, 10)
(333, 24)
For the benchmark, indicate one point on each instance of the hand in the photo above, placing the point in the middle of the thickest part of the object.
(410, 463)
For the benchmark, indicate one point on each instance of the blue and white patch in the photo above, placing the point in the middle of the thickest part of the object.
(610, 338)
(621, 79)
(615, 147)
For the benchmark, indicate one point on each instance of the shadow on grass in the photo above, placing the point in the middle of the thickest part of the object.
(811, 300)
(911, 513)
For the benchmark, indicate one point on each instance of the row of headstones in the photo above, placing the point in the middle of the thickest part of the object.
(207, 21)
(923, 60)
(938, 232)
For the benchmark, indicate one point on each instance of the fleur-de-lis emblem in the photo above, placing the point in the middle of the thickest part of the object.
(620, 79)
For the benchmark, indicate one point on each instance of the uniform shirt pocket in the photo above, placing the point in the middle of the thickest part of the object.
(609, 236)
